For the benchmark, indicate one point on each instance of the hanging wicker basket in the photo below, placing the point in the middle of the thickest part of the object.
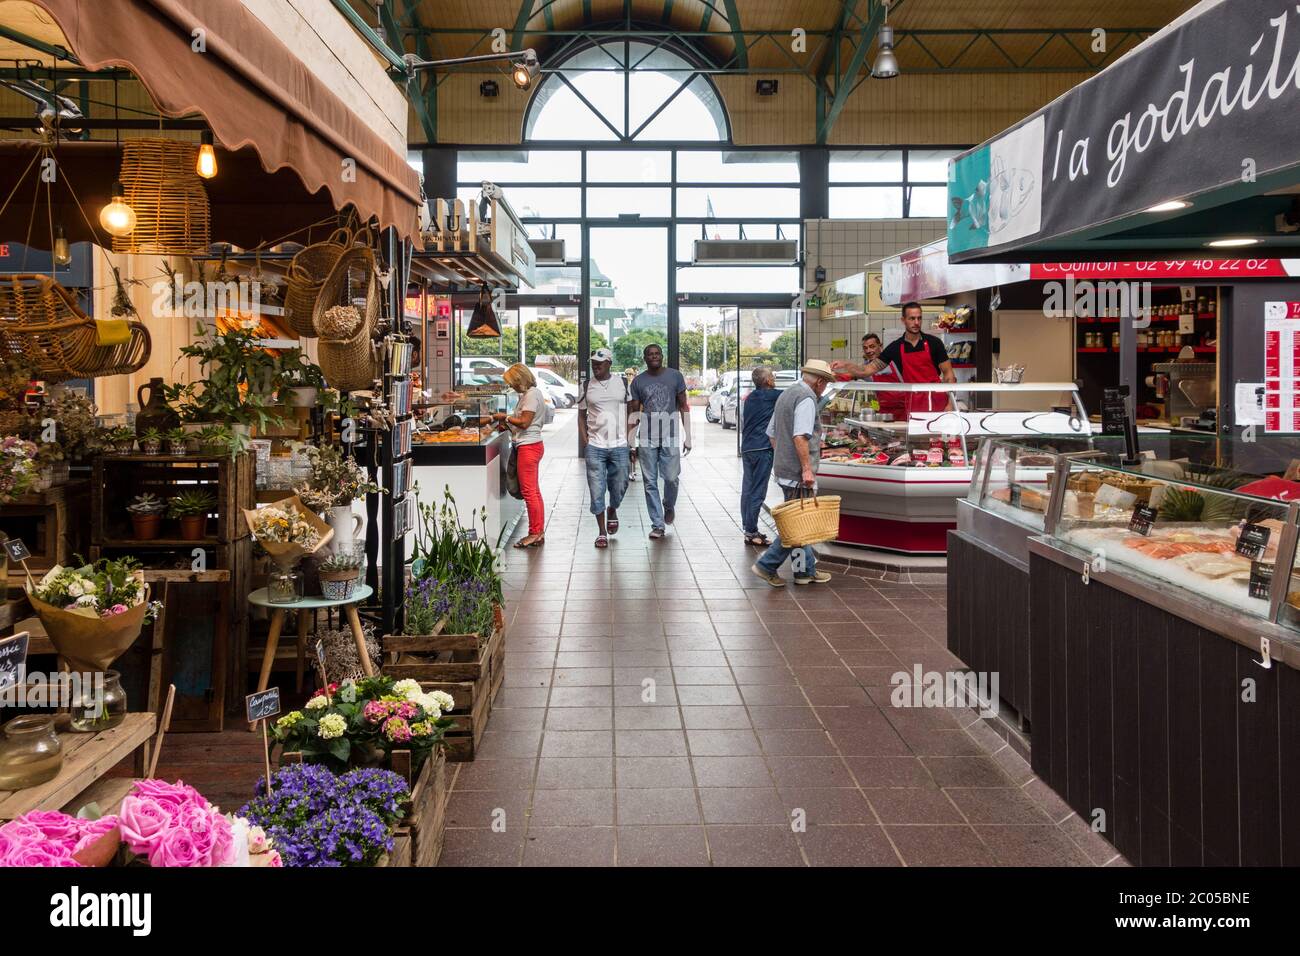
(349, 363)
(307, 273)
(42, 325)
(170, 202)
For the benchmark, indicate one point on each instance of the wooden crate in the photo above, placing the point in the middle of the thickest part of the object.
(456, 665)
(119, 478)
(51, 523)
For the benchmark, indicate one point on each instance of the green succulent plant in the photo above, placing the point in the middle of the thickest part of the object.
(193, 501)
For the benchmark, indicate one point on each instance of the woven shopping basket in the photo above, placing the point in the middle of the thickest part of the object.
(349, 364)
(307, 273)
(807, 520)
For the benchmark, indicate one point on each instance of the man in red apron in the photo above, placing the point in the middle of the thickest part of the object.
(893, 402)
(919, 357)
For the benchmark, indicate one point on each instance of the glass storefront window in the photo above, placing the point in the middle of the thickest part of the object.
(608, 202)
(928, 201)
(737, 166)
(929, 165)
(739, 201)
(866, 202)
(519, 166)
(629, 166)
(866, 166)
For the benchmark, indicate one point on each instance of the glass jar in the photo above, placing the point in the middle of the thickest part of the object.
(284, 586)
(31, 753)
(100, 706)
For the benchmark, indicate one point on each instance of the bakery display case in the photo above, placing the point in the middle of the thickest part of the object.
(900, 472)
(463, 422)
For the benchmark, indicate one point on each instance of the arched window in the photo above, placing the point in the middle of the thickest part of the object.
(624, 91)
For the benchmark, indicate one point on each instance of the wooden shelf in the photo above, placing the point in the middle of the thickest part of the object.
(208, 541)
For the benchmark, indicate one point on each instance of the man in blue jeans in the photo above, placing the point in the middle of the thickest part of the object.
(756, 453)
(660, 417)
(602, 427)
(796, 453)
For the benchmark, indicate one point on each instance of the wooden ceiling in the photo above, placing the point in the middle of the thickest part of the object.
(548, 25)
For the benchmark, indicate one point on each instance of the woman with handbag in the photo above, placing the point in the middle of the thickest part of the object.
(526, 426)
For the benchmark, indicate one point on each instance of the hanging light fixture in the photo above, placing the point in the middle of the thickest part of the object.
(885, 66)
(62, 252)
(483, 323)
(118, 218)
(525, 70)
(206, 166)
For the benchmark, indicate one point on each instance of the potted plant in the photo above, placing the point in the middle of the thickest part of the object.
(191, 507)
(240, 375)
(213, 439)
(151, 441)
(177, 441)
(121, 439)
(301, 380)
(146, 516)
(339, 574)
(335, 482)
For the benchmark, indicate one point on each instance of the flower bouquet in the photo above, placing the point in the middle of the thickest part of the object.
(357, 722)
(92, 614)
(316, 818)
(18, 468)
(51, 838)
(173, 825)
(287, 530)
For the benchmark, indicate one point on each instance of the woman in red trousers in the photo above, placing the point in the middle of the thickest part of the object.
(526, 425)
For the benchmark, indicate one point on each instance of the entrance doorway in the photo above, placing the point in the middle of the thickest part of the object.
(724, 338)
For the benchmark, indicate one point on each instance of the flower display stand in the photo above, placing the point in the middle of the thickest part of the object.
(86, 759)
(468, 668)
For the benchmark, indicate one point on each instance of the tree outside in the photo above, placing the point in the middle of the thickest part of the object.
(785, 349)
(628, 348)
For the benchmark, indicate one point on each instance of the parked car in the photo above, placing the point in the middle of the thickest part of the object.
(733, 412)
(565, 392)
(724, 387)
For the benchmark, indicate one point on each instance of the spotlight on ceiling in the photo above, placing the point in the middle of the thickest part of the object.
(1234, 243)
(765, 87)
(488, 88)
(525, 70)
(885, 66)
(1172, 205)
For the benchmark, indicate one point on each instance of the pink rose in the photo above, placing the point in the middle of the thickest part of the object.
(175, 848)
(199, 824)
(39, 855)
(143, 820)
(172, 795)
(273, 859)
(223, 846)
(53, 824)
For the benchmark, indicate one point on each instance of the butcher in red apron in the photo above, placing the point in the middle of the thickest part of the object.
(919, 357)
(895, 403)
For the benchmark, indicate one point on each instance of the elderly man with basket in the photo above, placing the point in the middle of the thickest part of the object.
(801, 521)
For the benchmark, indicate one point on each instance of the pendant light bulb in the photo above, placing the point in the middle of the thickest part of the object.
(62, 252)
(206, 166)
(118, 218)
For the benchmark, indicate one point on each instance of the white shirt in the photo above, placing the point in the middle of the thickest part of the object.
(605, 405)
(530, 401)
(805, 420)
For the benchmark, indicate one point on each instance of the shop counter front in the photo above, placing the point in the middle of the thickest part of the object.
(475, 474)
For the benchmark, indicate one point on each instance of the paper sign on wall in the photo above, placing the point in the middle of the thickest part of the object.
(1281, 366)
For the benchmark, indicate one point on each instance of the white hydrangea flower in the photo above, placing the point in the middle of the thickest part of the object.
(408, 688)
(75, 589)
(331, 726)
(316, 703)
(442, 701)
(348, 692)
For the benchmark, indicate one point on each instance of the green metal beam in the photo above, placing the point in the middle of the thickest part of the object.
(844, 81)
(395, 62)
(58, 52)
(521, 24)
(424, 95)
(737, 35)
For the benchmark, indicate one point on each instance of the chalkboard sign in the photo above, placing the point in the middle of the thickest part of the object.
(13, 657)
(1253, 541)
(1144, 516)
(1114, 412)
(16, 550)
(263, 704)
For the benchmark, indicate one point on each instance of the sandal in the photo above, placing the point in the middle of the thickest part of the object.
(757, 540)
(602, 541)
(529, 541)
(611, 523)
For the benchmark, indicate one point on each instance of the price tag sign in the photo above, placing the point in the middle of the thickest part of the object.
(1114, 415)
(1186, 324)
(1144, 516)
(263, 704)
(1261, 579)
(471, 534)
(16, 550)
(13, 658)
(1253, 541)
(1013, 497)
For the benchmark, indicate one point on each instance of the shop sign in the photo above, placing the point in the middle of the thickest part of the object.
(926, 273)
(1154, 126)
(1172, 269)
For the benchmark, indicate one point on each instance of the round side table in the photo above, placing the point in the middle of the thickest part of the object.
(303, 606)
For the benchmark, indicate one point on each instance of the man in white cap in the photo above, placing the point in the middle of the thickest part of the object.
(795, 433)
(602, 426)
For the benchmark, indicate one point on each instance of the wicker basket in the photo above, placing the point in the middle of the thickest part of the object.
(42, 325)
(170, 202)
(350, 363)
(803, 521)
(307, 273)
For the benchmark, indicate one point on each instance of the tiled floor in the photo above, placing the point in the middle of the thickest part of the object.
(664, 707)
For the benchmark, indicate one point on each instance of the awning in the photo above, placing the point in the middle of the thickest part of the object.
(251, 89)
(1203, 112)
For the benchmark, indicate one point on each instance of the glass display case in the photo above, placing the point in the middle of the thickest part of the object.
(1013, 476)
(1210, 529)
(466, 421)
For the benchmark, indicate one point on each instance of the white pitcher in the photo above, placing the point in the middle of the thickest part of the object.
(348, 526)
